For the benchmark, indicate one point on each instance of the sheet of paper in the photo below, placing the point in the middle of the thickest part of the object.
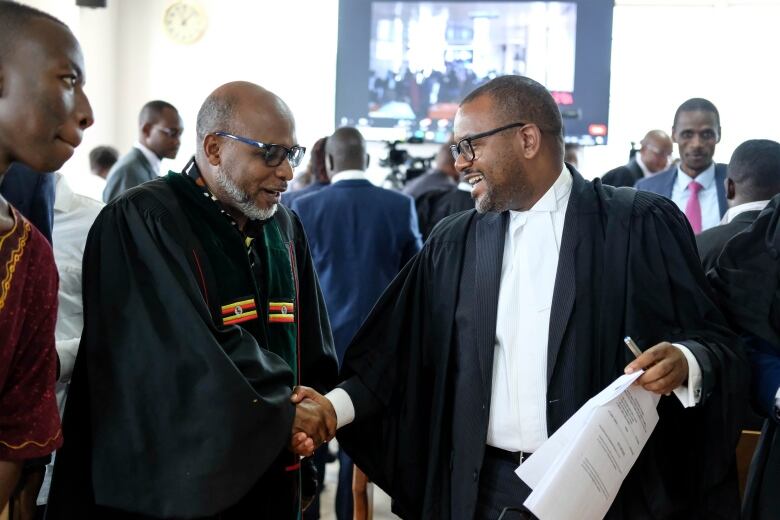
(578, 473)
(534, 469)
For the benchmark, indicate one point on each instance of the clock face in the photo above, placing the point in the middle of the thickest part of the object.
(184, 22)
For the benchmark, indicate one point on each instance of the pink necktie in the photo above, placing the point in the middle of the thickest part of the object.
(693, 208)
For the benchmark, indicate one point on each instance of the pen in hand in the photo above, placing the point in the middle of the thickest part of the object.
(632, 346)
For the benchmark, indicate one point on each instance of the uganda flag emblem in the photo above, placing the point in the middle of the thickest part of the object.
(239, 312)
(281, 312)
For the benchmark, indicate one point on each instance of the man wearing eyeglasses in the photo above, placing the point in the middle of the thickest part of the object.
(513, 315)
(159, 137)
(202, 312)
(652, 157)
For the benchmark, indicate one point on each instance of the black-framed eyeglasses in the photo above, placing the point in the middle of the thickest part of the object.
(464, 145)
(273, 154)
(173, 133)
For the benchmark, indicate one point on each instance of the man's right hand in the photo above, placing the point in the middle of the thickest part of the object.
(315, 421)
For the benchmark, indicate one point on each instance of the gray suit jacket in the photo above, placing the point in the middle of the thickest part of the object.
(129, 171)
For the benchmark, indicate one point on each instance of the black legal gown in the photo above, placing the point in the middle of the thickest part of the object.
(171, 414)
(636, 272)
(747, 280)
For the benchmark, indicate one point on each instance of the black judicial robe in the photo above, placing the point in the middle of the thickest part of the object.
(747, 280)
(628, 265)
(173, 412)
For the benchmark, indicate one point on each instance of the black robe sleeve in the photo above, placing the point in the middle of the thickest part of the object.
(395, 370)
(669, 299)
(160, 420)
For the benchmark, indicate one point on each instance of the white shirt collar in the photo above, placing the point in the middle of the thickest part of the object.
(154, 161)
(348, 175)
(551, 200)
(705, 178)
(63, 195)
(732, 213)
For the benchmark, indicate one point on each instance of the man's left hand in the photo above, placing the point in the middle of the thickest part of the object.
(665, 368)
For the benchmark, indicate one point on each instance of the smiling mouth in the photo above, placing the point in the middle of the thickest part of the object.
(476, 179)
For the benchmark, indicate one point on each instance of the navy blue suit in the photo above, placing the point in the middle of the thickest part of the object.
(289, 196)
(662, 184)
(32, 193)
(360, 237)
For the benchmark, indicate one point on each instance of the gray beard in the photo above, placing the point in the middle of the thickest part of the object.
(241, 200)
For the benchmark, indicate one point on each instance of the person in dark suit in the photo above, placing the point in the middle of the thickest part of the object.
(442, 176)
(477, 351)
(159, 136)
(32, 194)
(697, 184)
(652, 157)
(746, 278)
(753, 179)
(360, 236)
(433, 206)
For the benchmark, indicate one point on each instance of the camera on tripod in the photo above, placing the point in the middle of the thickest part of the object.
(403, 166)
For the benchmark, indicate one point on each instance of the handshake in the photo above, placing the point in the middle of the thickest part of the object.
(315, 421)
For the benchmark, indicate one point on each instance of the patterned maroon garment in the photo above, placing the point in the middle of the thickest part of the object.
(29, 421)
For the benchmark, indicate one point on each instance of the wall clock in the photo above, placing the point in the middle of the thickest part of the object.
(184, 21)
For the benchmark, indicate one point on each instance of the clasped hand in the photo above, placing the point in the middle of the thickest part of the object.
(315, 421)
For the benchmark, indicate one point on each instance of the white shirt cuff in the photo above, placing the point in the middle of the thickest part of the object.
(777, 404)
(689, 394)
(342, 404)
(66, 351)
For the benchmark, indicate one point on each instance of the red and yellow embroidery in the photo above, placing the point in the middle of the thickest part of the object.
(13, 259)
(281, 312)
(239, 312)
(24, 444)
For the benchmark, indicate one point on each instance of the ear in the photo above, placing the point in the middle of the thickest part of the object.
(530, 140)
(731, 189)
(212, 149)
(368, 161)
(146, 129)
(674, 135)
(719, 134)
(2, 81)
(329, 163)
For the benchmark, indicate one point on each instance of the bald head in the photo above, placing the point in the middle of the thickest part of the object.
(228, 108)
(246, 149)
(345, 150)
(656, 150)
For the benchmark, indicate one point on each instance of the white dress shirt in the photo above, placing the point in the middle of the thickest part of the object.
(73, 216)
(732, 213)
(154, 161)
(518, 410)
(708, 195)
(518, 407)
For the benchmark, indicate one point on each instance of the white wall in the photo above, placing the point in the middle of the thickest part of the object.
(663, 52)
(288, 47)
